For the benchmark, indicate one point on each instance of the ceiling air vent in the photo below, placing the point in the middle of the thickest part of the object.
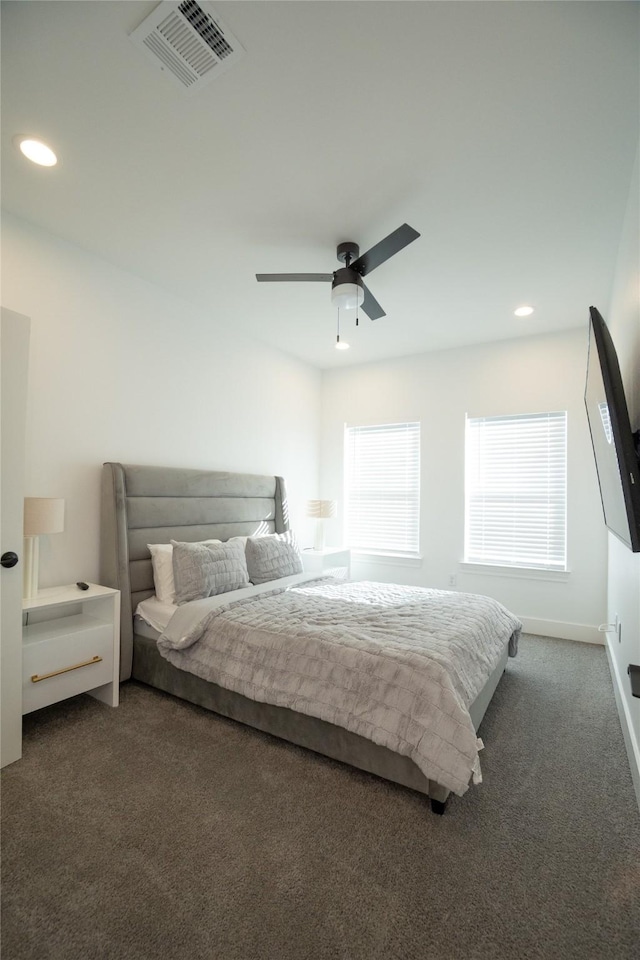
(188, 42)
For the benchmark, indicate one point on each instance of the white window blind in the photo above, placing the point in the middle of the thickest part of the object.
(382, 488)
(516, 491)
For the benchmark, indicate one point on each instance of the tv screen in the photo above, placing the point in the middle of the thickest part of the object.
(614, 444)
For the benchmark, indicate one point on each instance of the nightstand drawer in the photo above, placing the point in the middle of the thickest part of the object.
(64, 657)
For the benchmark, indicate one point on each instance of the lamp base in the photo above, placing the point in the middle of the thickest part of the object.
(318, 545)
(30, 573)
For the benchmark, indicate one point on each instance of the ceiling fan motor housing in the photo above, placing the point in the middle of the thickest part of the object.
(347, 275)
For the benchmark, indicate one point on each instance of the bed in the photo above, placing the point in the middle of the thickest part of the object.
(148, 504)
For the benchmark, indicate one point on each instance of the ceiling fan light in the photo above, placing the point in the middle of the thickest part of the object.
(347, 296)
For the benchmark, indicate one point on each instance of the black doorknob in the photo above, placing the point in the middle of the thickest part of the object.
(9, 559)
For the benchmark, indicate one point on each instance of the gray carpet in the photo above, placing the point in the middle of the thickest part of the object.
(158, 830)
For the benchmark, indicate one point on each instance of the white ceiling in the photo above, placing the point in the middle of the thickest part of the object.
(504, 132)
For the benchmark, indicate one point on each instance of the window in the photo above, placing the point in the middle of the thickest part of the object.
(516, 491)
(382, 488)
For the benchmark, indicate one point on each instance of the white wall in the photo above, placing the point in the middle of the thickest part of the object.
(119, 370)
(623, 321)
(532, 375)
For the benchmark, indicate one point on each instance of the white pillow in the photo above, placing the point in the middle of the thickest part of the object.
(162, 562)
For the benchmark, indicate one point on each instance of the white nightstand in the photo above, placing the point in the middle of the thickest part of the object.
(70, 645)
(332, 561)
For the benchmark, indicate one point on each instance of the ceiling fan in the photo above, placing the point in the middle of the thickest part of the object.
(348, 290)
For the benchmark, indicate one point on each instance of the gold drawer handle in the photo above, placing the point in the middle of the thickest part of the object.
(56, 673)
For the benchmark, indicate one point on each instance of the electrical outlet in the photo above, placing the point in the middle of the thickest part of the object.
(453, 580)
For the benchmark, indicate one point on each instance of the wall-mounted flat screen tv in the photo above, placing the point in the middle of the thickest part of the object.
(615, 446)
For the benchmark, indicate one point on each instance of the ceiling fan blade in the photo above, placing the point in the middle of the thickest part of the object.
(391, 245)
(276, 277)
(371, 306)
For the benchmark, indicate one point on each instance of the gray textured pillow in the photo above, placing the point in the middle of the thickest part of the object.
(272, 557)
(204, 570)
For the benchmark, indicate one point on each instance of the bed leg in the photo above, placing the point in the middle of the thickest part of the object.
(438, 806)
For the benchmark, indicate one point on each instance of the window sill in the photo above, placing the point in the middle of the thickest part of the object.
(399, 559)
(519, 573)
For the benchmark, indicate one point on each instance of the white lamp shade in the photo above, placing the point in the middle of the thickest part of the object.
(322, 509)
(43, 515)
(347, 296)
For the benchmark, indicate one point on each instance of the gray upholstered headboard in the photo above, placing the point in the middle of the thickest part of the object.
(142, 505)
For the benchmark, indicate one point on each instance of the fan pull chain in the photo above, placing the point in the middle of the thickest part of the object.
(339, 345)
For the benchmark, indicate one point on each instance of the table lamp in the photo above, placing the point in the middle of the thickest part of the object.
(41, 515)
(321, 510)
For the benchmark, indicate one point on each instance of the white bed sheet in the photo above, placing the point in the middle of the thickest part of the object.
(156, 613)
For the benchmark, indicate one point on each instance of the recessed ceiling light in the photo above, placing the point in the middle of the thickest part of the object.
(37, 151)
(523, 311)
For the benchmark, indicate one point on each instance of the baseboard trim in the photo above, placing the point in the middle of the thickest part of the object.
(582, 632)
(628, 733)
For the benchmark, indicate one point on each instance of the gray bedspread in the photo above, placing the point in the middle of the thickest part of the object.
(398, 665)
